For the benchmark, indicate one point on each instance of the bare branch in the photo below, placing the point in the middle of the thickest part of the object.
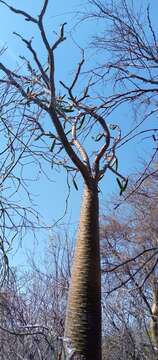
(78, 145)
(43, 10)
(28, 17)
(35, 57)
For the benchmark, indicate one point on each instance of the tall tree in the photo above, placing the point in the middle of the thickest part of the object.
(71, 119)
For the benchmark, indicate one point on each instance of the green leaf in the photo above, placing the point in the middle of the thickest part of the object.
(6, 261)
(101, 177)
(119, 184)
(125, 184)
(115, 163)
(52, 146)
(38, 137)
(75, 185)
(68, 110)
(62, 97)
(82, 121)
(122, 185)
(99, 137)
(113, 126)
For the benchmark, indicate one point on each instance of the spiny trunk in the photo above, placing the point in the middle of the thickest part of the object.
(83, 318)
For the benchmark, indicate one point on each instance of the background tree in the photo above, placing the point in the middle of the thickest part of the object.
(129, 263)
(15, 215)
(127, 58)
(33, 305)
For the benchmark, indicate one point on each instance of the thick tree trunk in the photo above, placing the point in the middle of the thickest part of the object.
(83, 318)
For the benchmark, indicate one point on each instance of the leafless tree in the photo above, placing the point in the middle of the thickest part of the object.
(129, 263)
(33, 305)
(65, 120)
(15, 215)
(127, 61)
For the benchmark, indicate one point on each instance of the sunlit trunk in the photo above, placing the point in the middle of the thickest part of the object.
(154, 320)
(83, 318)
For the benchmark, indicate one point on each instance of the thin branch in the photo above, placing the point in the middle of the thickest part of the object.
(76, 142)
(33, 52)
(28, 17)
(130, 260)
(43, 10)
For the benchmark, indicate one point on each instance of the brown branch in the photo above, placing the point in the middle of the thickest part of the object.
(60, 39)
(51, 110)
(130, 260)
(50, 49)
(33, 52)
(92, 112)
(123, 283)
(43, 10)
(76, 142)
(141, 180)
(77, 74)
(20, 12)
(75, 159)
(12, 81)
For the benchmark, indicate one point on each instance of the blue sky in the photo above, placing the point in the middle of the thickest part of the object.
(50, 196)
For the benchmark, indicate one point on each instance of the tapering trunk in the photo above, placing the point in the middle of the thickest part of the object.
(83, 318)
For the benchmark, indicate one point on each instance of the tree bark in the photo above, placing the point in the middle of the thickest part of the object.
(154, 319)
(83, 317)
